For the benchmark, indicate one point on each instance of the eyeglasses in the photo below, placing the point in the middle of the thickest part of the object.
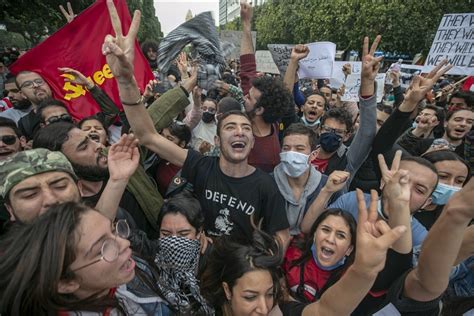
(327, 129)
(30, 83)
(8, 139)
(59, 118)
(110, 248)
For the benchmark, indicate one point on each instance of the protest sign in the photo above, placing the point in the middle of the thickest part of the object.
(407, 72)
(265, 62)
(318, 63)
(234, 37)
(281, 55)
(338, 77)
(353, 86)
(454, 40)
(73, 46)
(380, 79)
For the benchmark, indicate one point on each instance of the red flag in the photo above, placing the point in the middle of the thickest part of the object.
(78, 45)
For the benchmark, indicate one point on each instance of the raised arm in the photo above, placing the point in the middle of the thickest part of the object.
(120, 53)
(360, 147)
(427, 281)
(107, 106)
(373, 240)
(123, 159)
(396, 200)
(248, 67)
(336, 181)
(297, 53)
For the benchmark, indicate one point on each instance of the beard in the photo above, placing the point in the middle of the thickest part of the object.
(22, 104)
(451, 136)
(91, 173)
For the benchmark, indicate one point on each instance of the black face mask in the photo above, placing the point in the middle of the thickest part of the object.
(207, 117)
(330, 142)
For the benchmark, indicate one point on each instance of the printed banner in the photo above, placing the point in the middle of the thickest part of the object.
(454, 40)
(78, 45)
(265, 62)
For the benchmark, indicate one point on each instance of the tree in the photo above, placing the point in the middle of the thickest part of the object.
(405, 26)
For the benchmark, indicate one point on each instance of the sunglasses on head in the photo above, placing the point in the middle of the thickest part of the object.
(8, 139)
(60, 118)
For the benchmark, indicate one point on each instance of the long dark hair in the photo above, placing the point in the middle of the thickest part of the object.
(36, 257)
(231, 259)
(307, 243)
(447, 155)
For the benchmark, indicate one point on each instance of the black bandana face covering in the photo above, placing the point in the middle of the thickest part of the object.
(177, 261)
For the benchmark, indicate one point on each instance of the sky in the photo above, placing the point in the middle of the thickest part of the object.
(172, 13)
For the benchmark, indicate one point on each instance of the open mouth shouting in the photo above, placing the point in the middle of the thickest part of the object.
(327, 253)
(95, 137)
(238, 145)
(5, 153)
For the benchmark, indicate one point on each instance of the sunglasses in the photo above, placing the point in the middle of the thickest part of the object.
(60, 118)
(8, 139)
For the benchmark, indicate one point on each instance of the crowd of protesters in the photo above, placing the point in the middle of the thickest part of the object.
(264, 195)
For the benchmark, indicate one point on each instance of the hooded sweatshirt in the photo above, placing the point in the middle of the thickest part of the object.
(295, 210)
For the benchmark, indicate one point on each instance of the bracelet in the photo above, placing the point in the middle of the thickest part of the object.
(138, 102)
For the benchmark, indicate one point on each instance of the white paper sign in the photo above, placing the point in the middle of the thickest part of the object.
(353, 87)
(407, 72)
(265, 62)
(318, 63)
(338, 77)
(454, 40)
(235, 37)
(281, 55)
(380, 79)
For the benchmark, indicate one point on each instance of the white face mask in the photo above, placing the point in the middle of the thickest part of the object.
(294, 163)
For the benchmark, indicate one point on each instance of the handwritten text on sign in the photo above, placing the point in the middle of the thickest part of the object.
(353, 86)
(265, 62)
(454, 40)
(318, 63)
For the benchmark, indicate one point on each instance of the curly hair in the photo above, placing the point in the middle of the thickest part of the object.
(276, 99)
(341, 115)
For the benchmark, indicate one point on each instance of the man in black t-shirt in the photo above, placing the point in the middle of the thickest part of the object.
(231, 191)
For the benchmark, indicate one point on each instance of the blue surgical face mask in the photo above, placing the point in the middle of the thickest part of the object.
(294, 163)
(309, 124)
(330, 268)
(442, 193)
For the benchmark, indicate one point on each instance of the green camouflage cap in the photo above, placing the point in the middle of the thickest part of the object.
(25, 164)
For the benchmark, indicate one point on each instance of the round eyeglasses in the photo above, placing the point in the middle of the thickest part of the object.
(110, 250)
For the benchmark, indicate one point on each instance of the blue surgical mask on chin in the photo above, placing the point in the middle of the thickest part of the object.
(442, 193)
(330, 268)
(294, 163)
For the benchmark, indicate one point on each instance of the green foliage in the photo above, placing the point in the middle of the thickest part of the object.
(405, 26)
(35, 20)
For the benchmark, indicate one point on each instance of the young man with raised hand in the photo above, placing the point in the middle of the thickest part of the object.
(232, 192)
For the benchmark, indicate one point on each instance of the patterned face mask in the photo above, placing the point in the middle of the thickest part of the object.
(177, 262)
(178, 253)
